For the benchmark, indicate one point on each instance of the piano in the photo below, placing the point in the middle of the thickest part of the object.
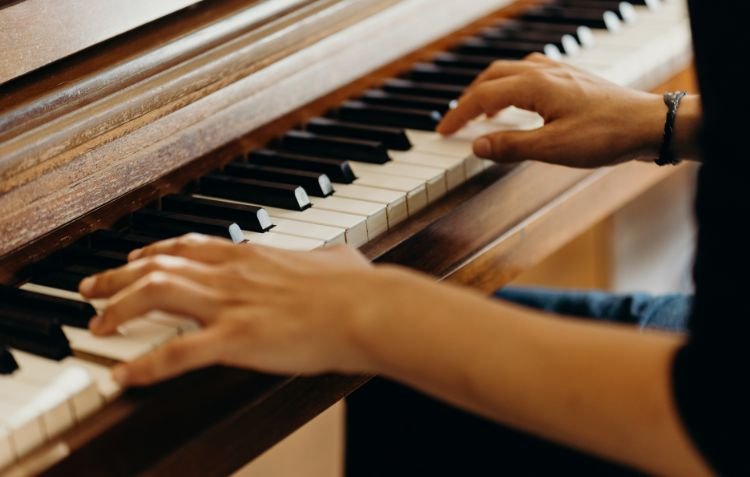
(307, 123)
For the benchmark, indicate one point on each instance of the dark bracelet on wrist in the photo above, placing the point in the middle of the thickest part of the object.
(666, 152)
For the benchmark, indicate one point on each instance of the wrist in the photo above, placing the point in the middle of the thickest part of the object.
(369, 322)
(649, 127)
(686, 126)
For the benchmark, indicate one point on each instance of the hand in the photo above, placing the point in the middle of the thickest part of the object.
(260, 308)
(589, 122)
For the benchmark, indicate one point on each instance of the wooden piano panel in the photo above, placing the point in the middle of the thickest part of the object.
(34, 33)
(213, 421)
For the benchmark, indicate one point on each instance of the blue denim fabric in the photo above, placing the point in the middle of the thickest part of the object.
(666, 312)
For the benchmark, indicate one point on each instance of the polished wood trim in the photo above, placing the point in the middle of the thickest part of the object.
(126, 141)
(99, 72)
(34, 33)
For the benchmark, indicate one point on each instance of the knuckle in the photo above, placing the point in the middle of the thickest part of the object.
(155, 283)
(536, 56)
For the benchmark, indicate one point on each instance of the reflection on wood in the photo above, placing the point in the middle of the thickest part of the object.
(34, 33)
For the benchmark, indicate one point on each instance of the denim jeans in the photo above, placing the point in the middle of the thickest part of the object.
(396, 431)
(665, 312)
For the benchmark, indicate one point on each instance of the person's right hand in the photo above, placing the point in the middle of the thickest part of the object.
(589, 122)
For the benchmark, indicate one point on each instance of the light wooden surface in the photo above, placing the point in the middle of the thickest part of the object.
(34, 33)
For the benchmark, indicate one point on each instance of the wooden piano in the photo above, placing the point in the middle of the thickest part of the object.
(107, 106)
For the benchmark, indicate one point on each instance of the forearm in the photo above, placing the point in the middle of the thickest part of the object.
(602, 389)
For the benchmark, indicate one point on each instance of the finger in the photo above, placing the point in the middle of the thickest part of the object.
(516, 146)
(158, 291)
(502, 69)
(488, 98)
(107, 283)
(197, 247)
(541, 58)
(176, 357)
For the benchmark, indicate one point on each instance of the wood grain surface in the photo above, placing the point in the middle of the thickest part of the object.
(34, 33)
(211, 422)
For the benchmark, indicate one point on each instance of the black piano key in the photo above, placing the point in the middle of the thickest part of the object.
(22, 330)
(536, 36)
(430, 90)
(527, 25)
(248, 217)
(124, 242)
(284, 196)
(574, 16)
(314, 183)
(599, 6)
(68, 312)
(581, 33)
(511, 49)
(433, 73)
(384, 98)
(80, 255)
(59, 279)
(160, 223)
(337, 170)
(360, 112)
(304, 142)
(8, 363)
(463, 61)
(393, 138)
(644, 3)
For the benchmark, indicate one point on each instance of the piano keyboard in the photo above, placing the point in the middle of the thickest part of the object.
(347, 177)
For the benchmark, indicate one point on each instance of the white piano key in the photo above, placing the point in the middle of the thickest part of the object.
(453, 167)
(134, 339)
(394, 201)
(75, 380)
(327, 234)
(451, 146)
(433, 178)
(354, 225)
(375, 214)
(85, 397)
(47, 402)
(107, 387)
(415, 189)
(288, 242)
(23, 425)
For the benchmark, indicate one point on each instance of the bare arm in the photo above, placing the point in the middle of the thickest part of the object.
(604, 389)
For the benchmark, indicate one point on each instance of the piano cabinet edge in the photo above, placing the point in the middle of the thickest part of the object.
(487, 266)
(70, 172)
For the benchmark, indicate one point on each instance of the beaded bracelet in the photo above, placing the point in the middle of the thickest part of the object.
(666, 153)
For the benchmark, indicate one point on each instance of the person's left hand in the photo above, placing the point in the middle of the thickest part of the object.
(260, 308)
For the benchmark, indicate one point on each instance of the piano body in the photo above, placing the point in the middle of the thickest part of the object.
(166, 117)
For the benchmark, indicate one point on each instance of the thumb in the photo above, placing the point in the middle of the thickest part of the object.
(508, 146)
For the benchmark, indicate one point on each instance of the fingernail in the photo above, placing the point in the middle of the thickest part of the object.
(120, 375)
(483, 147)
(135, 254)
(87, 286)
